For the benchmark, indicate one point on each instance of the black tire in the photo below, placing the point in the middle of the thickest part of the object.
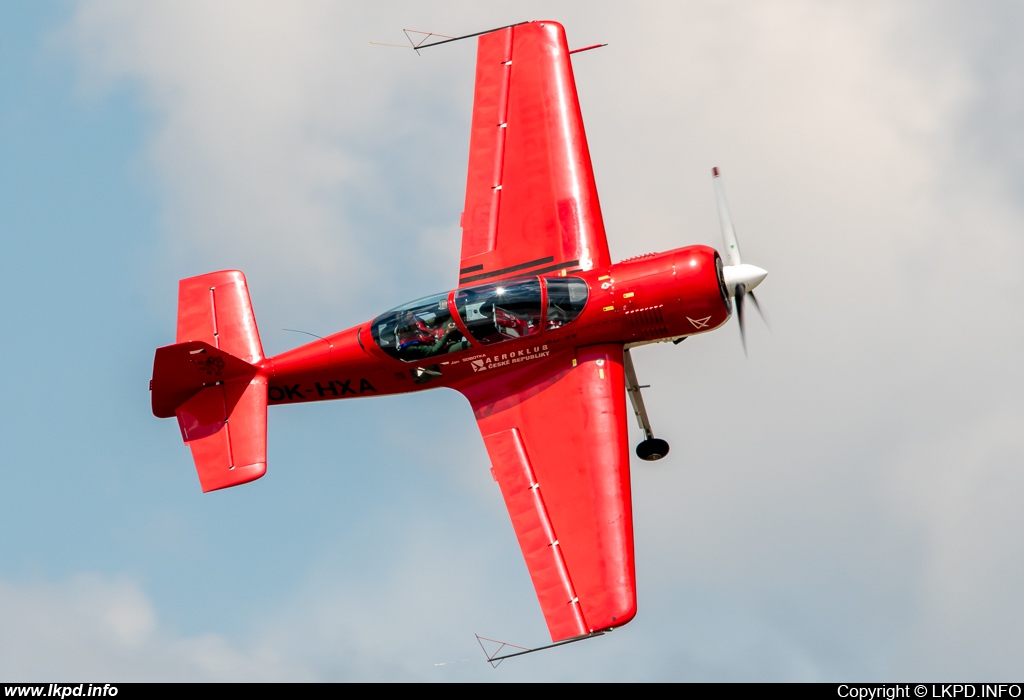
(652, 450)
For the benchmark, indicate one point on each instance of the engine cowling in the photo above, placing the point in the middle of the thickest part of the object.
(677, 293)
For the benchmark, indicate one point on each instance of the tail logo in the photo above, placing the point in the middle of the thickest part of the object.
(212, 366)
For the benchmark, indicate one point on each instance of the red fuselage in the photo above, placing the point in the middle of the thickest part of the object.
(640, 300)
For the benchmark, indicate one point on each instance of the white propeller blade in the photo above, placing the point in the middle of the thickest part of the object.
(740, 278)
(732, 248)
(735, 272)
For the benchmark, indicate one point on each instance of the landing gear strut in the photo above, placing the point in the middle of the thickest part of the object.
(652, 448)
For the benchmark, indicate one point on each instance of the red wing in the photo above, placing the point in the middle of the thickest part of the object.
(556, 436)
(531, 201)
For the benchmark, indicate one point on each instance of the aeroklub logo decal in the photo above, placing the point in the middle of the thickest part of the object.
(699, 323)
(482, 364)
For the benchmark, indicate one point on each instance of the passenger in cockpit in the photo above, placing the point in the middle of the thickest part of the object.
(412, 332)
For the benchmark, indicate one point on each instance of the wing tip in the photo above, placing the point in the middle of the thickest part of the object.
(235, 476)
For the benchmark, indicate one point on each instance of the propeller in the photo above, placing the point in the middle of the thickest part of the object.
(740, 278)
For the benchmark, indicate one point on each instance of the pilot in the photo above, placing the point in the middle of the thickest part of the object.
(418, 339)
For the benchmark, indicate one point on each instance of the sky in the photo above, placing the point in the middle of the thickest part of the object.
(844, 503)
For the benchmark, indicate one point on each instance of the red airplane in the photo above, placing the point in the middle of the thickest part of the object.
(537, 336)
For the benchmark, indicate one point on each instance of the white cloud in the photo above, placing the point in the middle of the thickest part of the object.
(92, 627)
(960, 493)
(265, 119)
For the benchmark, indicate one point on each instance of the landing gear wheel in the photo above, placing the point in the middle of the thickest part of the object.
(652, 450)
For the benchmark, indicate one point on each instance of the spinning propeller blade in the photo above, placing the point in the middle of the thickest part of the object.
(740, 278)
(741, 290)
(731, 252)
(759, 311)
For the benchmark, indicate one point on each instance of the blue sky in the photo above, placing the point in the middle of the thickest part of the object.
(843, 504)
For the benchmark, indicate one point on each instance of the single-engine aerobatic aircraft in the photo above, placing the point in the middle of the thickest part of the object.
(536, 335)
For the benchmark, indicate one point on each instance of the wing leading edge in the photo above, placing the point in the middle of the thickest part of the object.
(531, 200)
(556, 437)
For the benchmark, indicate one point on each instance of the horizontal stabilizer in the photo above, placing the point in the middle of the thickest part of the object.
(211, 380)
(226, 427)
(215, 309)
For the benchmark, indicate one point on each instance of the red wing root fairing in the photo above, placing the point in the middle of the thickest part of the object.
(536, 333)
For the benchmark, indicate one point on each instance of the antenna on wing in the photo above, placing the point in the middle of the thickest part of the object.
(418, 44)
(587, 48)
(495, 660)
(415, 43)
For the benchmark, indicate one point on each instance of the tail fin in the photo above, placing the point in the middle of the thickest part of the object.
(211, 380)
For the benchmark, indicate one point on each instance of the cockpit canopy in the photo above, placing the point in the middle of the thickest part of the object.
(496, 312)
(492, 313)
